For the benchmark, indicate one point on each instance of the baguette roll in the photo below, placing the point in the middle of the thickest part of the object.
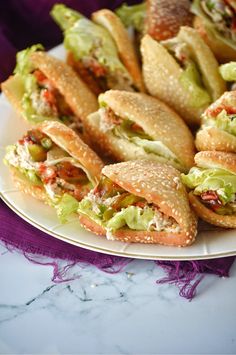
(212, 185)
(131, 126)
(144, 202)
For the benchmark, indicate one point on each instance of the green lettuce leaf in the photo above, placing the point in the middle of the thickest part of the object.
(133, 16)
(86, 39)
(219, 180)
(64, 16)
(226, 122)
(65, 206)
(228, 71)
(23, 64)
(190, 80)
(133, 217)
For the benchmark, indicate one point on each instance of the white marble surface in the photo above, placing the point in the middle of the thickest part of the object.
(98, 313)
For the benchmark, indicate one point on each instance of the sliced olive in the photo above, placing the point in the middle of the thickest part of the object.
(37, 152)
(108, 214)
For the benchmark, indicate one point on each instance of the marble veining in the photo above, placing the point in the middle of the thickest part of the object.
(101, 313)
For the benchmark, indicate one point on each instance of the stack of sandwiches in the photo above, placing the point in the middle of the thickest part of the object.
(114, 139)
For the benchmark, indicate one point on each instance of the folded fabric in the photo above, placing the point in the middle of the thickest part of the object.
(37, 246)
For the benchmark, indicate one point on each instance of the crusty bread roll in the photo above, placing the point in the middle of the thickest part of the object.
(209, 160)
(159, 184)
(156, 119)
(165, 17)
(77, 95)
(162, 74)
(126, 50)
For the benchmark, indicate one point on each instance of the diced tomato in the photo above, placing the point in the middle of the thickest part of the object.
(140, 204)
(215, 111)
(41, 78)
(211, 198)
(47, 173)
(49, 96)
(135, 127)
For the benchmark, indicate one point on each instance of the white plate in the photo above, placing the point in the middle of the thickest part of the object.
(209, 244)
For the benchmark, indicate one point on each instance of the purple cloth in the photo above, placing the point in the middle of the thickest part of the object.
(23, 23)
(15, 233)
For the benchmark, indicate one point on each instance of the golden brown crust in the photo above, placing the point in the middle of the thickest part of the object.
(67, 139)
(78, 96)
(165, 17)
(13, 89)
(209, 216)
(24, 185)
(132, 236)
(213, 138)
(206, 61)
(157, 120)
(159, 184)
(221, 50)
(214, 159)
(126, 50)
(161, 76)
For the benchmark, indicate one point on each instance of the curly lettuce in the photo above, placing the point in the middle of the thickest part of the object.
(133, 16)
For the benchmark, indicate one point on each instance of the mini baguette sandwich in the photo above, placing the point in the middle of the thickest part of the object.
(45, 88)
(130, 126)
(52, 164)
(215, 21)
(165, 17)
(100, 52)
(182, 72)
(212, 185)
(140, 202)
(218, 130)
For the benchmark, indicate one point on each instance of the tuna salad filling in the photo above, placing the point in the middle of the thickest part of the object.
(113, 208)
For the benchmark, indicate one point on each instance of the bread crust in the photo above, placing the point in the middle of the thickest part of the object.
(13, 89)
(225, 221)
(161, 74)
(221, 50)
(25, 186)
(68, 140)
(214, 159)
(131, 236)
(165, 17)
(159, 184)
(213, 138)
(157, 120)
(126, 50)
(78, 96)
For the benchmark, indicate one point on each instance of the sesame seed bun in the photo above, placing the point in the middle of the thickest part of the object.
(126, 50)
(213, 138)
(27, 187)
(77, 95)
(209, 216)
(223, 52)
(159, 184)
(209, 160)
(157, 120)
(214, 159)
(68, 140)
(162, 74)
(165, 17)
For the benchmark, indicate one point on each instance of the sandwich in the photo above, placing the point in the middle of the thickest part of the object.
(182, 72)
(52, 164)
(212, 185)
(45, 88)
(139, 202)
(218, 130)
(215, 21)
(130, 126)
(165, 17)
(101, 53)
